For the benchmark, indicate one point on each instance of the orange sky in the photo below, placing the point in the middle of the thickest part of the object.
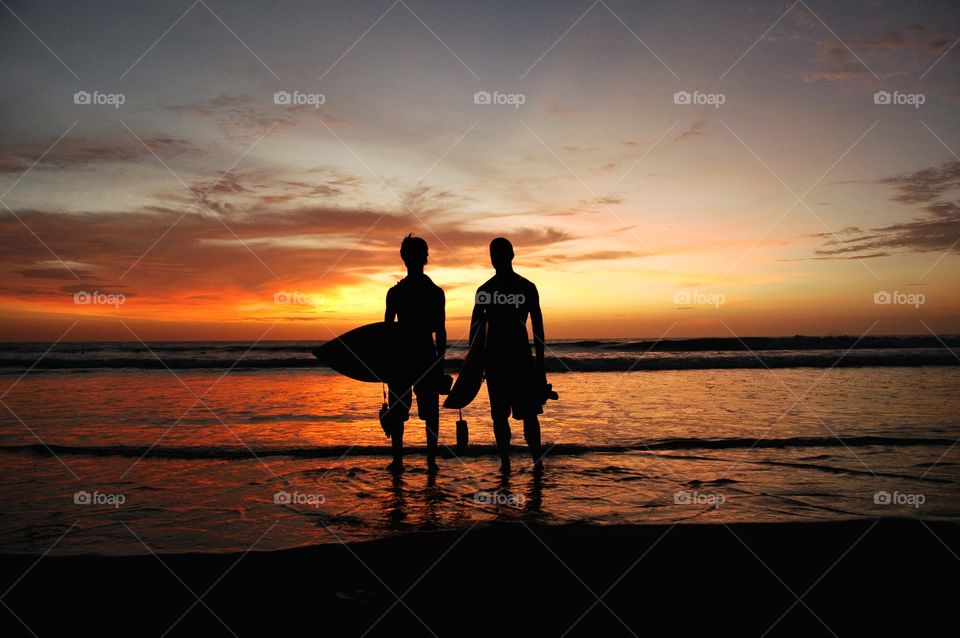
(203, 208)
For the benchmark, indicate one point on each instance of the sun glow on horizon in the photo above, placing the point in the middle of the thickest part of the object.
(209, 207)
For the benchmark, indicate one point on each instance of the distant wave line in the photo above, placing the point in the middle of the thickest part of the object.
(941, 357)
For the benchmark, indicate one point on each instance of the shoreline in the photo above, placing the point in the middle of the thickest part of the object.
(512, 578)
(476, 450)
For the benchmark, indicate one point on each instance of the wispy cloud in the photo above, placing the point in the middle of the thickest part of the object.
(937, 229)
(695, 129)
(79, 152)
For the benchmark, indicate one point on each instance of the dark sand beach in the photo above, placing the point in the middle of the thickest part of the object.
(859, 577)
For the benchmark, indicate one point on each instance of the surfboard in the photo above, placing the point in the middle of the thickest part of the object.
(468, 382)
(376, 352)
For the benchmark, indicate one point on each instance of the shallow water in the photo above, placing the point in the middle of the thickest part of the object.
(637, 447)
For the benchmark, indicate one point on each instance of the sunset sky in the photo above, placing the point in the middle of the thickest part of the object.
(200, 198)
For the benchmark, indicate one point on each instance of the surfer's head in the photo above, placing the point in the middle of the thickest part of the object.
(413, 251)
(501, 253)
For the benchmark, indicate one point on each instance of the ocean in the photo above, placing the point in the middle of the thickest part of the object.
(207, 446)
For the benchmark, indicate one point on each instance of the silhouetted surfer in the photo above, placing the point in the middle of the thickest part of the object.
(417, 304)
(515, 380)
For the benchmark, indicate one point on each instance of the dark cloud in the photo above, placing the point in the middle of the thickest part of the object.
(53, 272)
(891, 53)
(937, 229)
(925, 185)
(235, 191)
(597, 255)
(80, 152)
(241, 118)
(246, 124)
(309, 112)
(836, 62)
(427, 200)
(201, 259)
(915, 39)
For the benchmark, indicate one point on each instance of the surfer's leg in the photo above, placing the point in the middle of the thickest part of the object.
(396, 439)
(531, 433)
(428, 409)
(498, 389)
(433, 428)
(399, 413)
(501, 431)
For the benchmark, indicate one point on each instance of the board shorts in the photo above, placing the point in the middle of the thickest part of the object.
(428, 402)
(425, 385)
(513, 389)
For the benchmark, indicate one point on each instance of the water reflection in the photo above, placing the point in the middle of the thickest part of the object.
(407, 507)
(395, 503)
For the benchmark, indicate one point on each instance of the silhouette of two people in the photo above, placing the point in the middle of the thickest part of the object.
(516, 382)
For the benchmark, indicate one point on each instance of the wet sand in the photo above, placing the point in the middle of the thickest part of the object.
(510, 579)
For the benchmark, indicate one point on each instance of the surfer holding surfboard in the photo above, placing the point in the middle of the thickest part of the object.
(516, 381)
(418, 306)
(401, 352)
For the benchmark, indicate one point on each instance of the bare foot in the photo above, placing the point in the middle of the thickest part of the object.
(395, 466)
(432, 467)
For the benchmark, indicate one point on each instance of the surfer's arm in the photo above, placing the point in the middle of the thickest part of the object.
(391, 312)
(476, 321)
(536, 323)
(442, 330)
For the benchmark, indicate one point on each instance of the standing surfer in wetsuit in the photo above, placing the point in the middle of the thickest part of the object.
(516, 382)
(418, 305)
